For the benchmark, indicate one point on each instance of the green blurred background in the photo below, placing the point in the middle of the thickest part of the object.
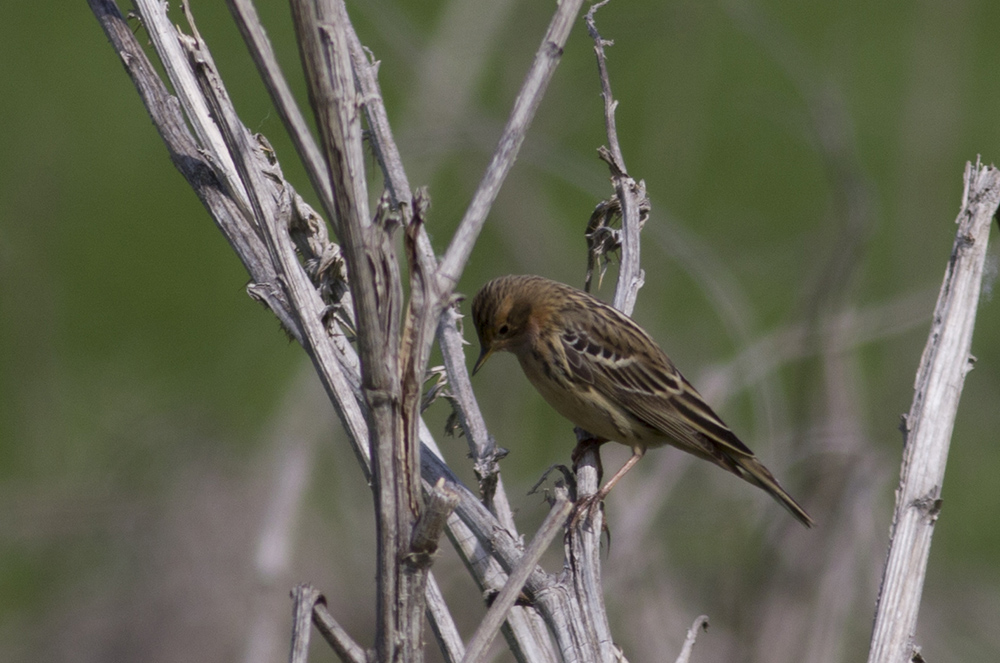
(804, 163)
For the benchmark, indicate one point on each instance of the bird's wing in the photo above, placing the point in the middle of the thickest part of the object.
(616, 357)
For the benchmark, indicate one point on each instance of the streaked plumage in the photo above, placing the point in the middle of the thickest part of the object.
(600, 370)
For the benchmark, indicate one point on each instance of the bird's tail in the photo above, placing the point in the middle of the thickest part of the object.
(752, 470)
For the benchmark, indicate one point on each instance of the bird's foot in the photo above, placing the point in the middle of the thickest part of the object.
(586, 509)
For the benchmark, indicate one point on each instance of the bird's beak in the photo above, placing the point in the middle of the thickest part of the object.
(484, 354)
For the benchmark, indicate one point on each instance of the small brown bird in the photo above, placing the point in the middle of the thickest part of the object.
(600, 370)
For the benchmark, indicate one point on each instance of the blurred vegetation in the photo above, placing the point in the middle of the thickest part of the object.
(804, 161)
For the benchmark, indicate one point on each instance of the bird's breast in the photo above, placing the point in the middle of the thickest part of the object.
(579, 402)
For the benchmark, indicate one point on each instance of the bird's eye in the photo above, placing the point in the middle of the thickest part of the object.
(504, 328)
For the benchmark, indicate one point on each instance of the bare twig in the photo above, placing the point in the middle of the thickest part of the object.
(701, 622)
(503, 602)
(375, 285)
(524, 629)
(615, 160)
(231, 215)
(304, 597)
(257, 224)
(928, 426)
(441, 501)
(309, 606)
(528, 99)
(584, 541)
(442, 623)
(348, 650)
(482, 447)
(186, 86)
(631, 194)
(253, 33)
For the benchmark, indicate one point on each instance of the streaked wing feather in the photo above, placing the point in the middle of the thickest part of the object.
(628, 368)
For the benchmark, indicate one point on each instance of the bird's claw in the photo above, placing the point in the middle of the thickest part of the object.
(585, 509)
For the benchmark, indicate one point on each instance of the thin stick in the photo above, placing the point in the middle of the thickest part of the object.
(503, 602)
(245, 15)
(530, 96)
(631, 194)
(700, 623)
(348, 650)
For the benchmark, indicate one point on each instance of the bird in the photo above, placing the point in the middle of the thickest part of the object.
(600, 370)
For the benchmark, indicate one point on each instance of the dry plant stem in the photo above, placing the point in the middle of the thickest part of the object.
(630, 193)
(381, 139)
(348, 650)
(482, 446)
(528, 99)
(441, 501)
(271, 210)
(484, 526)
(441, 623)
(609, 102)
(332, 358)
(376, 289)
(524, 630)
(587, 616)
(584, 542)
(309, 606)
(187, 154)
(928, 426)
(476, 536)
(245, 15)
(159, 28)
(304, 598)
(556, 602)
(229, 213)
(701, 622)
(503, 602)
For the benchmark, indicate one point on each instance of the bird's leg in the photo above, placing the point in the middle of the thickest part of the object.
(586, 505)
(603, 492)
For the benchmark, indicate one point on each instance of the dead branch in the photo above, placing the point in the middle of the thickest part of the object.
(928, 426)
(376, 389)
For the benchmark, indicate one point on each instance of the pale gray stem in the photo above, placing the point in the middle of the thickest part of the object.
(504, 601)
(928, 426)
(253, 33)
(304, 597)
(701, 622)
(583, 548)
(347, 649)
(528, 99)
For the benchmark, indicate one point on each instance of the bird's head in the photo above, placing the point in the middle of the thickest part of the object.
(502, 311)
